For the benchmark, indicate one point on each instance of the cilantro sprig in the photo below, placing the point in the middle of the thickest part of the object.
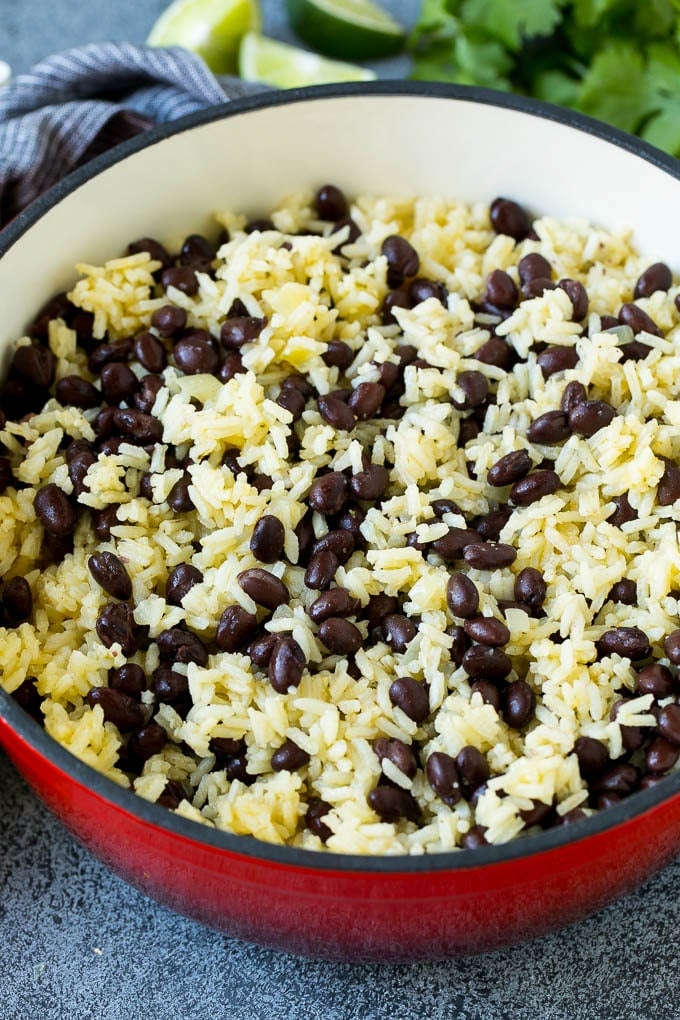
(618, 60)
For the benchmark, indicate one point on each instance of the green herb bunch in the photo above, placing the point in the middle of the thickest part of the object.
(617, 60)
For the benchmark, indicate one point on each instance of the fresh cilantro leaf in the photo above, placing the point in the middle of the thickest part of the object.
(663, 130)
(511, 22)
(614, 88)
(483, 62)
(663, 85)
(556, 87)
(591, 13)
(435, 25)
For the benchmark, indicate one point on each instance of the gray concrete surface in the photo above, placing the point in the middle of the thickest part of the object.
(79, 944)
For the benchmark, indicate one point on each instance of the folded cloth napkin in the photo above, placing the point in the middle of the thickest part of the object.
(75, 105)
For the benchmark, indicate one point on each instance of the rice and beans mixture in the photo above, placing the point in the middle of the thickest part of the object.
(357, 528)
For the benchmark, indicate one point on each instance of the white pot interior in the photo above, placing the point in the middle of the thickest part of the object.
(396, 144)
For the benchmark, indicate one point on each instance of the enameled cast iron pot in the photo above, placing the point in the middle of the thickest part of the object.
(383, 138)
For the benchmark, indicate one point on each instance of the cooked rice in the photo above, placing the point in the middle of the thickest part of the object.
(311, 296)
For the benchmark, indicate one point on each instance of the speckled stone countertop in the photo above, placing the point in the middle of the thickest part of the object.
(79, 944)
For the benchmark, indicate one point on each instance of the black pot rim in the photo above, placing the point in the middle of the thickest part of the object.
(246, 846)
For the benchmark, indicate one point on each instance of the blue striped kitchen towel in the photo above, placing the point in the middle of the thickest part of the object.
(76, 104)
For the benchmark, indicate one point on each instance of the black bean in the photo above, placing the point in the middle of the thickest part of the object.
(486, 630)
(150, 352)
(179, 499)
(656, 277)
(483, 663)
(661, 756)
(195, 355)
(6, 476)
(507, 217)
(198, 252)
(54, 511)
(260, 650)
(557, 359)
(473, 768)
(104, 520)
(668, 723)
(532, 266)
(353, 234)
(316, 810)
(462, 596)
(501, 290)
(632, 737)
(519, 702)
(365, 399)
(168, 320)
(35, 364)
(338, 354)
(180, 582)
(235, 332)
(391, 803)
(442, 775)
(337, 413)
(590, 416)
(672, 647)
(17, 601)
(286, 664)
(181, 277)
(623, 513)
(496, 351)
(395, 299)
(340, 636)
(119, 383)
(169, 686)
(235, 629)
(336, 602)
(177, 645)
(105, 354)
(411, 697)
(489, 526)
(444, 506)
(534, 487)
(459, 643)
(118, 708)
(148, 389)
(488, 692)
(475, 389)
(266, 543)
(669, 484)
(150, 740)
(330, 203)
(230, 367)
(536, 287)
(538, 814)
(154, 248)
(289, 757)
(115, 625)
(510, 468)
(550, 427)
(474, 838)
(371, 483)
(634, 351)
(489, 555)
(328, 493)
(104, 423)
(638, 320)
(399, 631)
(137, 427)
(422, 289)
(400, 754)
(110, 573)
(621, 779)
(452, 545)
(655, 679)
(321, 570)
(574, 393)
(78, 392)
(592, 756)
(624, 591)
(381, 606)
(263, 587)
(578, 296)
(26, 695)
(130, 679)
(339, 541)
(530, 588)
(628, 642)
(402, 259)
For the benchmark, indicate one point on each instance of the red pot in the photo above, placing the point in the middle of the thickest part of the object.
(400, 138)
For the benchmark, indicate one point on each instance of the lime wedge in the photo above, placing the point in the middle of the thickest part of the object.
(211, 28)
(359, 29)
(287, 67)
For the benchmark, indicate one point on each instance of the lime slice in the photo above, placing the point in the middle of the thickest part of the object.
(287, 67)
(359, 29)
(211, 28)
